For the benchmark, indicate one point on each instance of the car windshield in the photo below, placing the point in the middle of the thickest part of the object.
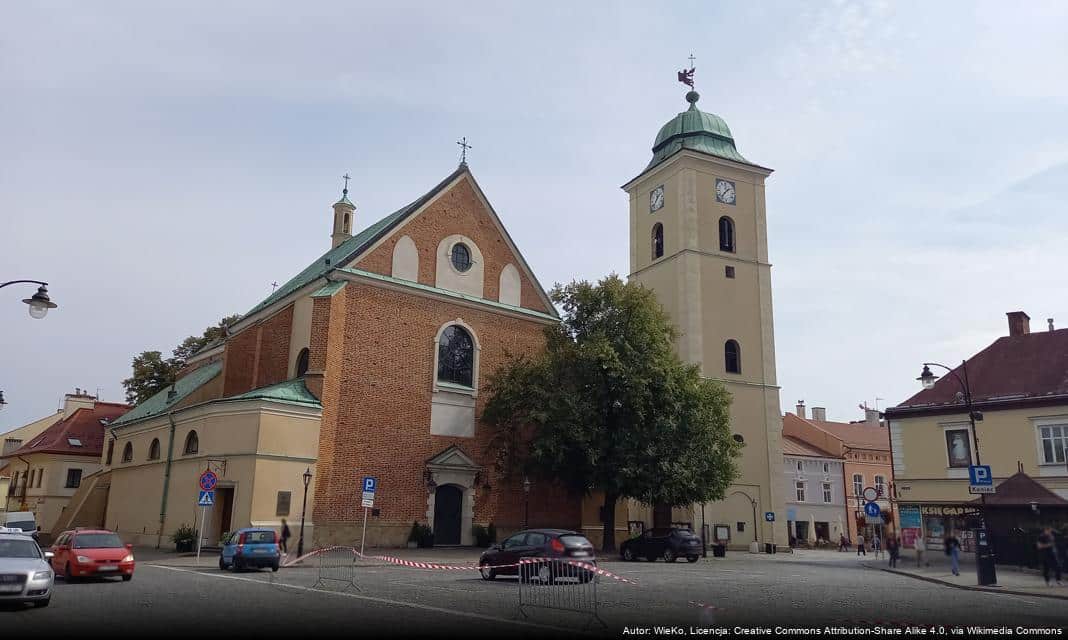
(18, 549)
(97, 541)
(575, 540)
(26, 525)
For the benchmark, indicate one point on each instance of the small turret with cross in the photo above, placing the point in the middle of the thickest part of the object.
(343, 216)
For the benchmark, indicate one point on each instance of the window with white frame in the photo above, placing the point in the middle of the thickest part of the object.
(1054, 438)
(827, 492)
(858, 484)
(826, 467)
(800, 466)
(880, 485)
(800, 487)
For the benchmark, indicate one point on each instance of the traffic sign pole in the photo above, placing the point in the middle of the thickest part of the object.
(363, 536)
(200, 536)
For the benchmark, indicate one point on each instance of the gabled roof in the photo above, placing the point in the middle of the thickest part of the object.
(162, 402)
(80, 433)
(1020, 490)
(1023, 367)
(346, 251)
(793, 447)
(855, 435)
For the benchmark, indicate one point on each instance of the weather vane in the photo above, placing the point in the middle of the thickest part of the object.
(464, 147)
(345, 191)
(686, 77)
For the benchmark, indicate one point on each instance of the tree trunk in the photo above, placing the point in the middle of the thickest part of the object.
(608, 543)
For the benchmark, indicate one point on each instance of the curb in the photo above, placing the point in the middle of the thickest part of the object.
(965, 587)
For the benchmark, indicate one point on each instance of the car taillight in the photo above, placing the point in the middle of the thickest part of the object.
(556, 545)
(240, 543)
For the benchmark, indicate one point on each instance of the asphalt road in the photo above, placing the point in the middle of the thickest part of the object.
(399, 601)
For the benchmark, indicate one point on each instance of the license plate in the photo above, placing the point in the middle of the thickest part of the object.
(580, 554)
(108, 567)
(10, 588)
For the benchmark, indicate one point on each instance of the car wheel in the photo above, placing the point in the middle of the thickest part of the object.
(66, 573)
(487, 574)
(669, 555)
(546, 574)
(628, 555)
(42, 603)
(239, 564)
(127, 578)
(692, 558)
(222, 565)
(274, 567)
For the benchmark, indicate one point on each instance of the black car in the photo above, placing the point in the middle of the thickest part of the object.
(669, 544)
(540, 543)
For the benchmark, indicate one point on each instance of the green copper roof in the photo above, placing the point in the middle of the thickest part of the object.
(291, 391)
(345, 200)
(160, 403)
(696, 130)
(351, 248)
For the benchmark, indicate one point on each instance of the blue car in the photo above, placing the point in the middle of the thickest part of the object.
(250, 548)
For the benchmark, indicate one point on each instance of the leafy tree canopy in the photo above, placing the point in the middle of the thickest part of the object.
(152, 373)
(609, 406)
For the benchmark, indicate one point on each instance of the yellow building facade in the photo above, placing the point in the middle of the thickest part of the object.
(698, 229)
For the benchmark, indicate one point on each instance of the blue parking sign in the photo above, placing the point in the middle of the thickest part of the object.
(369, 484)
(979, 475)
(769, 516)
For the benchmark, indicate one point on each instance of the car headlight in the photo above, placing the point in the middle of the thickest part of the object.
(128, 558)
(85, 560)
(43, 575)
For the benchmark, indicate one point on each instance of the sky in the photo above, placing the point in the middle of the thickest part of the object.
(161, 164)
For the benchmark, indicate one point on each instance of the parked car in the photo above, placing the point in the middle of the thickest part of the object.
(23, 520)
(558, 544)
(252, 547)
(24, 572)
(83, 553)
(669, 544)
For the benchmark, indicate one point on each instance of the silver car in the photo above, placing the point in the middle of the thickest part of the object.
(24, 572)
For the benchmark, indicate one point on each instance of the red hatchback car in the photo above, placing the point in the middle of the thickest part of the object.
(81, 553)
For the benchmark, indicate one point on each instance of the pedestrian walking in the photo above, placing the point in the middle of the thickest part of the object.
(952, 549)
(921, 548)
(877, 545)
(861, 551)
(893, 548)
(843, 543)
(285, 537)
(1047, 553)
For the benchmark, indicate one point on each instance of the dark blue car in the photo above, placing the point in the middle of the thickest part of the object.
(250, 548)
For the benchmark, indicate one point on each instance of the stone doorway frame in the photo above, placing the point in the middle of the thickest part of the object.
(453, 466)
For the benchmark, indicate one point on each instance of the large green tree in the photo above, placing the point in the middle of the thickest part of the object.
(152, 372)
(609, 406)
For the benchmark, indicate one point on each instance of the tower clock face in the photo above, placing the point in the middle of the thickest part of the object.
(656, 198)
(725, 191)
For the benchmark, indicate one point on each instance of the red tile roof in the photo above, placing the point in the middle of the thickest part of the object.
(793, 447)
(82, 426)
(1028, 366)
(1020, 490)
(857, 435)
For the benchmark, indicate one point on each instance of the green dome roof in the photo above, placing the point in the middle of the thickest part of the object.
(694, 129)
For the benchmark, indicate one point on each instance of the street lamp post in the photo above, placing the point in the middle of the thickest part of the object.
(304, 507)
(39, 302)
(927, 379)
(526, 502)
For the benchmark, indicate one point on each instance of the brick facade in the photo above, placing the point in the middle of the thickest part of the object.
(259, 355)
(459, 210)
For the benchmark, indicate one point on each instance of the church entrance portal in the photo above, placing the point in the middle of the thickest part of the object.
(448, 501)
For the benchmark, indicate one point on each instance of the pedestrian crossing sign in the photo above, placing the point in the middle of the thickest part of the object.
(207, 499)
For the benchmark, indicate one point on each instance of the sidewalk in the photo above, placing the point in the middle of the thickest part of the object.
(1011, 579)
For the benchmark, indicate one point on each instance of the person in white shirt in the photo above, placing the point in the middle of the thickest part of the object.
(920, 548)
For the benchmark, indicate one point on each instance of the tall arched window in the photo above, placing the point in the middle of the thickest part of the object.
(658, 240)
(111, 451)
(456, 356)
(127, 452)
(726, 234)
(732, 356)
(302, 362)
(153, 449)
(192, 444)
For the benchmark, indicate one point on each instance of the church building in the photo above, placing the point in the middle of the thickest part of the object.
(698, 239)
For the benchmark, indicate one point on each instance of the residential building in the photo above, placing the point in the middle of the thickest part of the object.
(864, 449)
(815, 493)
(47, 470)
(1019, 391)
(698, 239)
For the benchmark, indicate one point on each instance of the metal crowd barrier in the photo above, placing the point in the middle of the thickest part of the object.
(337, 568)
(559, 585)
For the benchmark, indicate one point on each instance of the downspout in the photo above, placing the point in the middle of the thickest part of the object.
(166, 480)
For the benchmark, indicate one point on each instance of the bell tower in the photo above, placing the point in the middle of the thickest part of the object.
(344, 212)
(698, 239)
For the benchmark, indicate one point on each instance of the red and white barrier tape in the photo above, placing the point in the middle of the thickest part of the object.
(453, 567)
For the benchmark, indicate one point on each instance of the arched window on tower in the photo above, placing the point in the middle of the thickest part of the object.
(726, 234)
(302, 362)
(456, 356)
(345, 224)
(732, 357)
(658, 240)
